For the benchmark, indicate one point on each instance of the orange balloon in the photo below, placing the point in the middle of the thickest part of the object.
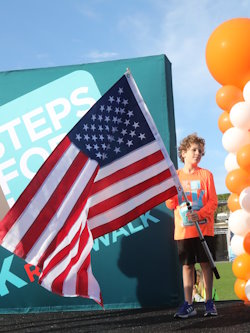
(243, 158)
(241, 266)
(224, 122)
(233, 202)
(228, 52)
(239, 289)
(237, 180)
(246, 242)
(227, 96)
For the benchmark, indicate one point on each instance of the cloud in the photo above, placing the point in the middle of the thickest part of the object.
(101, 56)
(180, 133)
(181, 31)
(44, 60)
(41, 56)
(87, 11)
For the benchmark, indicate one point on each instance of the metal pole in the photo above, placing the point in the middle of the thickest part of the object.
(203, 241)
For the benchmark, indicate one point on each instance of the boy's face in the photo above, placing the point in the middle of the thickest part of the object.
(193, 154)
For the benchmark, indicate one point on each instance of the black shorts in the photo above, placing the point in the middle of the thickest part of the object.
(191, 250)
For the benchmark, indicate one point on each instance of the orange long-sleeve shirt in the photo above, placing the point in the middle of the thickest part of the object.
(200, 191)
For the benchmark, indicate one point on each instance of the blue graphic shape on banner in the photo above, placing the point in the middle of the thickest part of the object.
(32, 125)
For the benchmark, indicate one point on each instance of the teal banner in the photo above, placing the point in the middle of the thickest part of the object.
(137, 265)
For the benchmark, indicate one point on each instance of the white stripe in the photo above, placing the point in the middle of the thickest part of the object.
(62, 265)
(130, 204)
(126, 160)
(58, 269)
(69, 285)
(128, 182)
(33, 258)
(62, 213)
(79, 224)
(25, 220)
(93, 286)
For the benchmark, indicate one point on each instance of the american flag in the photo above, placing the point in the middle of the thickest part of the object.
(110, 168)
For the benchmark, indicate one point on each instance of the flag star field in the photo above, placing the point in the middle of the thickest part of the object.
(113, 127)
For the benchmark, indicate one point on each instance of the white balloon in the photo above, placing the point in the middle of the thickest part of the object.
(244, 199)
(234, 138)
(246, 92)
(247, 290)
(240, 115)
(237, 245)
(239, 222)
(231, 162)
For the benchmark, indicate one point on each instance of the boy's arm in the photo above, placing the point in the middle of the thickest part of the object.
(172, 203)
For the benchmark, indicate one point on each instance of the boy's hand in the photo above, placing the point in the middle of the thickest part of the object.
(192, 217)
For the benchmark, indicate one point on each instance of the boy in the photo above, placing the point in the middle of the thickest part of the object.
(198, 185)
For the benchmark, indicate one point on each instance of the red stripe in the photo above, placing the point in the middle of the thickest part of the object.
(128, 171)
(82, 278)
(82, 282)
(131, 215)
(34, 185)
(57, 285)
(127, 194)
(60, 256)
(51, 207)
(68, 224)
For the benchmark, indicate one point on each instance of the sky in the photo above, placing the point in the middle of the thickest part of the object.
(48, 33)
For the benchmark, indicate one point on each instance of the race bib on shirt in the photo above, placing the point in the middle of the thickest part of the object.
(196, 204)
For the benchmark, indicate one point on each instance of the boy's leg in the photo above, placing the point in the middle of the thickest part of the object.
(186, 257)
(205, 265)
(210, 308)
(208, 279)
(188, 282)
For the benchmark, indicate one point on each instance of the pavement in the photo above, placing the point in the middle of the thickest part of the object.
(234, 316)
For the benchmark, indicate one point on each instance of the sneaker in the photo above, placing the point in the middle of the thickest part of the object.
(210, 309)
(185, 311)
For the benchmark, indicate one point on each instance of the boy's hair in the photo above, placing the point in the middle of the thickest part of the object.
(186, 143)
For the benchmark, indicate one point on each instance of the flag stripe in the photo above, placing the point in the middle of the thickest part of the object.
(126, 183)
(82, 274)
(120, 221)
(60, 267)
(61, 240)
(128, 192)
(33, 187)
(68, 279)
(73, 278)
(32, 210)
(78, 215)
(122, 209)
(54, 202)
(93, 291)
(60, 255)
(58, 272)
(74, 204)
(127, 171)
(125, 161)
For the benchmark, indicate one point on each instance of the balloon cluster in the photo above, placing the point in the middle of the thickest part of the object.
(228, 60)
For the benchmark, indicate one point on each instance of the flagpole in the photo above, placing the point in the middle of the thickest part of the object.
(203, 241)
